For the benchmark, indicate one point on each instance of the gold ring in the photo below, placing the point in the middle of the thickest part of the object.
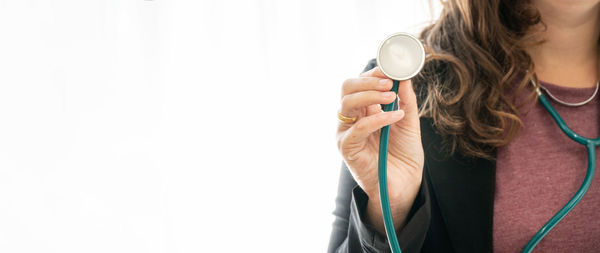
(344, 119)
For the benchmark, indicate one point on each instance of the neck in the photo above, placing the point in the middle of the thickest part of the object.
(569, 55)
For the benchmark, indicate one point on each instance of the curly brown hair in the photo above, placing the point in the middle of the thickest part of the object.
(476, 51)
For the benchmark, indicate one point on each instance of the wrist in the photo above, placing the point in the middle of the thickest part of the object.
(400, 205)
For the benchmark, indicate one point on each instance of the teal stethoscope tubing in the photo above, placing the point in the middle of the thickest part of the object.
(383, 188)
(590, 144)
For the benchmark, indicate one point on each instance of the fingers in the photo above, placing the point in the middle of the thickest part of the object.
(355, 136)
(354, 85)
(363, 95)
(353, 104)
(367, 125)
(374, 72)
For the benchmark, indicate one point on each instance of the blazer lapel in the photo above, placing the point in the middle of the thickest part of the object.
(464, 189)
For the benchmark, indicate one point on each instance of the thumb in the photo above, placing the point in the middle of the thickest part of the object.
(407, 101)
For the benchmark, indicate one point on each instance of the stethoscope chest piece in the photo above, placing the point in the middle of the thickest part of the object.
(401, 56)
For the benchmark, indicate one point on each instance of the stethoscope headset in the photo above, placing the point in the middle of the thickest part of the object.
(400, 57)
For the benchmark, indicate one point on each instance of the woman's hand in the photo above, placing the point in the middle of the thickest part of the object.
(359, 142)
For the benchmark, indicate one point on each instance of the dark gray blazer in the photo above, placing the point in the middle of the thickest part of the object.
(452, 212)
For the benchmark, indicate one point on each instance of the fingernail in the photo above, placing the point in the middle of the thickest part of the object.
(384, 82)
(399, 112)
(389, 94)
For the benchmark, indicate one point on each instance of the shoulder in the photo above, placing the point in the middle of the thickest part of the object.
(370, 64)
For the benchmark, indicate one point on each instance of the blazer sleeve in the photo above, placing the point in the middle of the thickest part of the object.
(351, 233)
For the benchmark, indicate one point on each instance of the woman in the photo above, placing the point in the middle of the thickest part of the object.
(475, 163)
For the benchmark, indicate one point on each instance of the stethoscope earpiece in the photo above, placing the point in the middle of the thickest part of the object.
(401, 56)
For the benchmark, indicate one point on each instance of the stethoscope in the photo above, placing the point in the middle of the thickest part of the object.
(400, 57)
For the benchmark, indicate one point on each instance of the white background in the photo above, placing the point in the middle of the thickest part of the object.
(178, 126)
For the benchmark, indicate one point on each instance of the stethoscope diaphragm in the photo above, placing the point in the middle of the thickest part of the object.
(401, 56)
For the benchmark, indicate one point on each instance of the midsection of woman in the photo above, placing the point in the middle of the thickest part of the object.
(540, 170)
(475, 48)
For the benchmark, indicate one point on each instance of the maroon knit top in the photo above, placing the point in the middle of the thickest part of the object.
(540, 170)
